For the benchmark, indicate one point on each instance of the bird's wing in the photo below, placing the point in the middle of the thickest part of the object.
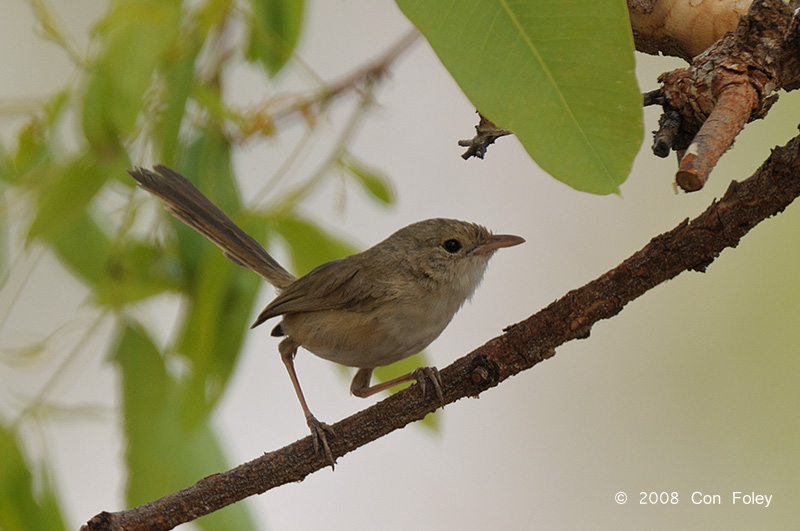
(331, 286)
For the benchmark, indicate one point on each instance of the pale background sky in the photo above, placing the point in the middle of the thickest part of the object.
(691, 388)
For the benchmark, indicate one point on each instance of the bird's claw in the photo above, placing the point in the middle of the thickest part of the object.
(319, 437)
(429, 374)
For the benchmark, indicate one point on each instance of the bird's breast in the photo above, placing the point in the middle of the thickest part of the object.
(369, 339)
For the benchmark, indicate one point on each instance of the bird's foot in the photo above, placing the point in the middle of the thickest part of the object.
(429, 374)
(319, 436)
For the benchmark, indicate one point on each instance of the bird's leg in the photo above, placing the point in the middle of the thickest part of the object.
(361, 388)
(288, 349)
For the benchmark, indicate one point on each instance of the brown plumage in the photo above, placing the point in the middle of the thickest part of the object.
(367, 310)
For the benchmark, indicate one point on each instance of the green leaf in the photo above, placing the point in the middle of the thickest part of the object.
(117, 272)
(137, 33)
(22, 505)
(64, 195)
(162, 456)
(309, 245)
(212, 334)
(34, 148)
(374, 183)
(84, 248)
(275, 29)
(178, 70)
(136, 270)
(4, 222)
(221, 294)
(558, 73)
(8, 174)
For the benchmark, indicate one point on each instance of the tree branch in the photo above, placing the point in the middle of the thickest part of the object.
(262, 119)
(692, 245)
(682, 28)
(735, 102)
(730, 84)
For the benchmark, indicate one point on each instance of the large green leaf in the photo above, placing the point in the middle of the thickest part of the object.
(161, 454)
(274, 31)
(558, 73)
(24, 507)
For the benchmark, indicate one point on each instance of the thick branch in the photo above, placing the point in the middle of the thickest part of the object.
(682, 28)
(692, 245)
(728, 85)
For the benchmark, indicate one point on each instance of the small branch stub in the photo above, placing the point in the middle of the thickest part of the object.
(479, 375)
(487, 133)
(717, 134)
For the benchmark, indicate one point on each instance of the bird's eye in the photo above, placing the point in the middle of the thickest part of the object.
(452, 246)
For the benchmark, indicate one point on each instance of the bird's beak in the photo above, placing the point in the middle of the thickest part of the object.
(496, 241)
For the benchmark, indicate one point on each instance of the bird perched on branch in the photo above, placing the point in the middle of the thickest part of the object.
(367, 310)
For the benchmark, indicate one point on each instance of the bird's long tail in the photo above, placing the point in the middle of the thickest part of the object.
(188, 204)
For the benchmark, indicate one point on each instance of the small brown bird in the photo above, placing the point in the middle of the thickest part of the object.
(367, 310)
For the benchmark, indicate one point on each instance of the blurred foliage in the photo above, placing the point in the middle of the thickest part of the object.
(152, 85)
(162, 455)
(276, 29)
(21, 505)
